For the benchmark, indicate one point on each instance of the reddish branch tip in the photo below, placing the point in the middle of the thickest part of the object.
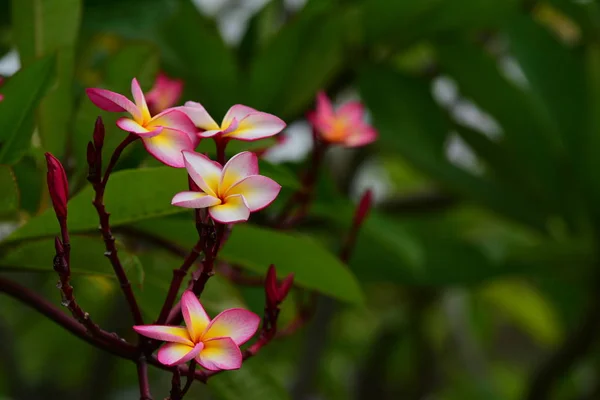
(99, 134)
(276, 293)
(364, 206)
(91, 154)
(58, 186)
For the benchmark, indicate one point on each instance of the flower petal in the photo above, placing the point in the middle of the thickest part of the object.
(177, 353)
(324, 107)
(177, 120)
(236, 323)
(194, 315)
(258, 191)
(177, 334)
(238, 112)
(199, 116)
(194, 200)
(210, 133)
(237, 168)
(140, 100)
(220, 353)
(113, 102)
(255, 126)
(353, 111)
(361, 137)
(233, 210)
(204, 172)
(167, 147)
(164, 93)
(129, 125)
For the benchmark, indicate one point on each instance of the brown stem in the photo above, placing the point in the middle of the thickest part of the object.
(109, 240)
(221, 145)
(142, 370)
(190, 378)
(178, 276)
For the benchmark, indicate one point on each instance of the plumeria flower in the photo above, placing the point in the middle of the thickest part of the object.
(165, 135)
(213, 344)
(231, 192)
(240, 122)
(164, 94)
(344, 126)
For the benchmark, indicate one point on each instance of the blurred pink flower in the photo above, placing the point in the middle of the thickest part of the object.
(231, 192)
(345, 126)
(165, 135)
(213, 344)
(164, 94)
(240, 122)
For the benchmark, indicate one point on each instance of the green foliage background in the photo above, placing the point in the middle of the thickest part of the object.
(467, 279)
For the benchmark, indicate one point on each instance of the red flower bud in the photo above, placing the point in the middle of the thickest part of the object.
(363, 208)
(276, 293)
(99, 134)
(58, 186)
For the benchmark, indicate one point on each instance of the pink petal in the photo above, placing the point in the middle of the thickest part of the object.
(233, 210)
(177, 120)
(324, 107)
(114, 102)
(194, 315)
(352, 111)
(199, 116)
(164, 93)
(177, 334)
(236, 323)
(258, 191)
(129, 125)
(233, 125)
(256, 126)
(237, 168)
(210, 133)
(204, 172)
(194, 200)
(152, 133)
(176, 353)
(361, 137)
(140, 100)
(238, 112)
(220, 353)
(167, 147)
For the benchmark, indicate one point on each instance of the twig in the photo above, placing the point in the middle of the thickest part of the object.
(190, 378)
(109, 240)
(142, 370)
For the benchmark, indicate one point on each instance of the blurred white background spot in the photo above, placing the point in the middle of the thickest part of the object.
(9, 64)
(296, 146)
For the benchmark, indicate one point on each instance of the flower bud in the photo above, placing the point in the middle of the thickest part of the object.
(285, 287)
(99, 134)
(58, 186)
(276, 293)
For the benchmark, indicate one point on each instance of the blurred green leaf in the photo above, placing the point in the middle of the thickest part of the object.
(30, 179)
(42, 28)
(197, 53)
(9, 198)
(23, 93)
(525, 307)
(300, 60)
(417, 139)
(131, 195)
(255, 248)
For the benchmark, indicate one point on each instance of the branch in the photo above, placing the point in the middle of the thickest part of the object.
(109, 240)
(142, 370)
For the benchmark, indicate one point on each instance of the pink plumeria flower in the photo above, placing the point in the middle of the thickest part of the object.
(240, 122)
(345, 126)
(215, 344)
(231, 192)
(165, 135)
(164, 94)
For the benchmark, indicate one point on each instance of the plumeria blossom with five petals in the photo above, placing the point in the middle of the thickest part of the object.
(231, 192)
(165, 135)
(164, 94)
(345, 126)
(213, 344)
(240, 123)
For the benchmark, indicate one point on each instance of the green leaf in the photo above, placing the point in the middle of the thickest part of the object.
(9, 198)
(23, 93)
(404, 118)
(255, 248)
(301, 59)
(196, 52)
(41, 28)
(131, 195)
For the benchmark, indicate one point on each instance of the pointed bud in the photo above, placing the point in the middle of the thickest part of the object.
(91, 154)
(58, 186)
(99, 134)
(363, 208)
(285, 287)
(271, 290)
